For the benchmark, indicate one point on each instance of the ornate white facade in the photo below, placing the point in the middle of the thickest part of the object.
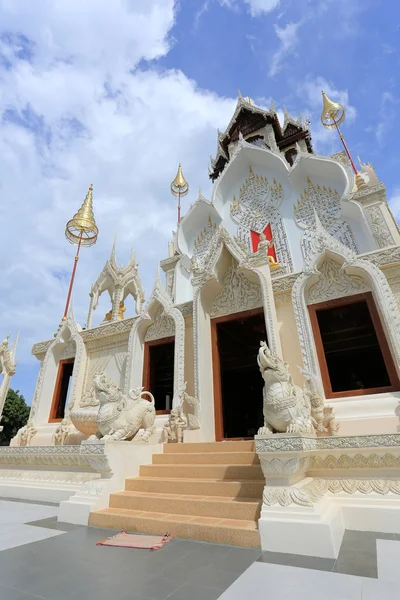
(285, 234)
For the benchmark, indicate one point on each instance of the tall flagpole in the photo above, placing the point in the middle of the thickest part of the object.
(81, 230)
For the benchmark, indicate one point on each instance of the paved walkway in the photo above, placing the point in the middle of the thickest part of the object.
(42, 559)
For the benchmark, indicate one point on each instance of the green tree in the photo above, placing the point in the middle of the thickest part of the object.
(15, 416)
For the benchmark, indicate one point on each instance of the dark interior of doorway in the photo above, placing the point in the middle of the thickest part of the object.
(62, 389)
(161, 380)
(241, 382)
(352, 351)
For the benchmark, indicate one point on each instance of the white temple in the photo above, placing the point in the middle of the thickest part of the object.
(291, 249)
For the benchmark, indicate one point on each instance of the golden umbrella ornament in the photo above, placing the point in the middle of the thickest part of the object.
(179, 188)
(81, 230)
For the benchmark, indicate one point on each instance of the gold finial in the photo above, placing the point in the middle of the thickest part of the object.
(179, 186)
(82, 227)
(333, 113)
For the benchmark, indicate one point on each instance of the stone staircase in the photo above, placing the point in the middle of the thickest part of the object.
(210, 492)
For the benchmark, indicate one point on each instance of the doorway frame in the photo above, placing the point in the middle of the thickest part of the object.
(57, 390)
(380, 334)
(216, 367)
(146, 366)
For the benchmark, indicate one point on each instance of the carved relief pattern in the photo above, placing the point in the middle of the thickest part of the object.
(162, 327)
(312, 491)
(379, 226)
(393, 276)
(205, 273)
(326, 203)
(257, 206)
(238, 294)
(97, 362)
(334, 283)
(204, 242)
(69, 351)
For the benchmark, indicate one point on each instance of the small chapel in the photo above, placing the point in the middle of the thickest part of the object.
(294, 250)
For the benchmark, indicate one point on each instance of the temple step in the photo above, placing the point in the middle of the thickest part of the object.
(205, 529)
(210, 492)
(206, 458)
(203, 506)
(222, 472)
(197, 487)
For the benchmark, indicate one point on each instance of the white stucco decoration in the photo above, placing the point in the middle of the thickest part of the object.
(7, 369)
(120, 416)
(354, 275)
(68, 332)
(159, 298)
(119, 282)
(287, 407)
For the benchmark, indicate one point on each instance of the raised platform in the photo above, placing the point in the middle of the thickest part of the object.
(318, 487)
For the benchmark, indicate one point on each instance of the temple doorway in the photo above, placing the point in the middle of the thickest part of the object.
(158, 372)
(61, 390)
(238, 385)
(352, 349)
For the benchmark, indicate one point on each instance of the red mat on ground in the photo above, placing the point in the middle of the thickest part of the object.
(133, 540)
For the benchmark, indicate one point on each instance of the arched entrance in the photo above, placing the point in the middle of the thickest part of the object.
(238, 386)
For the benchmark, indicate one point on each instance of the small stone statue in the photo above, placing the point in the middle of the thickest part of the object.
(26, 433)
(61, 433)
(175, 426)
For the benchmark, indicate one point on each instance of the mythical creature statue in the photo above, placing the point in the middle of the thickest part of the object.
(61, 433)
(288, 408)
(26, 433)
(120, 417)
(175, 426)
(189, 405)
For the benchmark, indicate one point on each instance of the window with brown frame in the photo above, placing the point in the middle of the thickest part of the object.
(158, 372)
(352, 349)
(61, 390)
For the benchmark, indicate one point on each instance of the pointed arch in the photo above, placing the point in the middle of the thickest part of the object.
(352, 276)
(68, 333)
(159, 298)
(207, 281)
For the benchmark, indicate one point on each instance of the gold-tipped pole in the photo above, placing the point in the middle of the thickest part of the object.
(81, 230)
(179, 188)
(333, 114)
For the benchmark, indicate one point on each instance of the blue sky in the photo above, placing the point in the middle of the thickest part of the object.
(116, 92)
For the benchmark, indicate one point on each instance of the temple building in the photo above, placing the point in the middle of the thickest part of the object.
(294, 249)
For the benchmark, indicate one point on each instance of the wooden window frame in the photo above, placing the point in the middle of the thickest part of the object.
(146, 365)
(380, 334)
(216, 367)
(57, 390)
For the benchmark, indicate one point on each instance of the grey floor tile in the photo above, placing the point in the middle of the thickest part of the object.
(7, 593)
(359, 563)
(237, 559)
(195, 592)
(297, 560)
(216, 578)
(52, 523)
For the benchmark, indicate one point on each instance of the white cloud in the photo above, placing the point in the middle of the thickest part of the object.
(255, 7)
(78, 109)
(288, 38)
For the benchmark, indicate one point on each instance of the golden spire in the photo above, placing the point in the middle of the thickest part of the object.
(82, 228)
(179, 186)
(333, 113)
